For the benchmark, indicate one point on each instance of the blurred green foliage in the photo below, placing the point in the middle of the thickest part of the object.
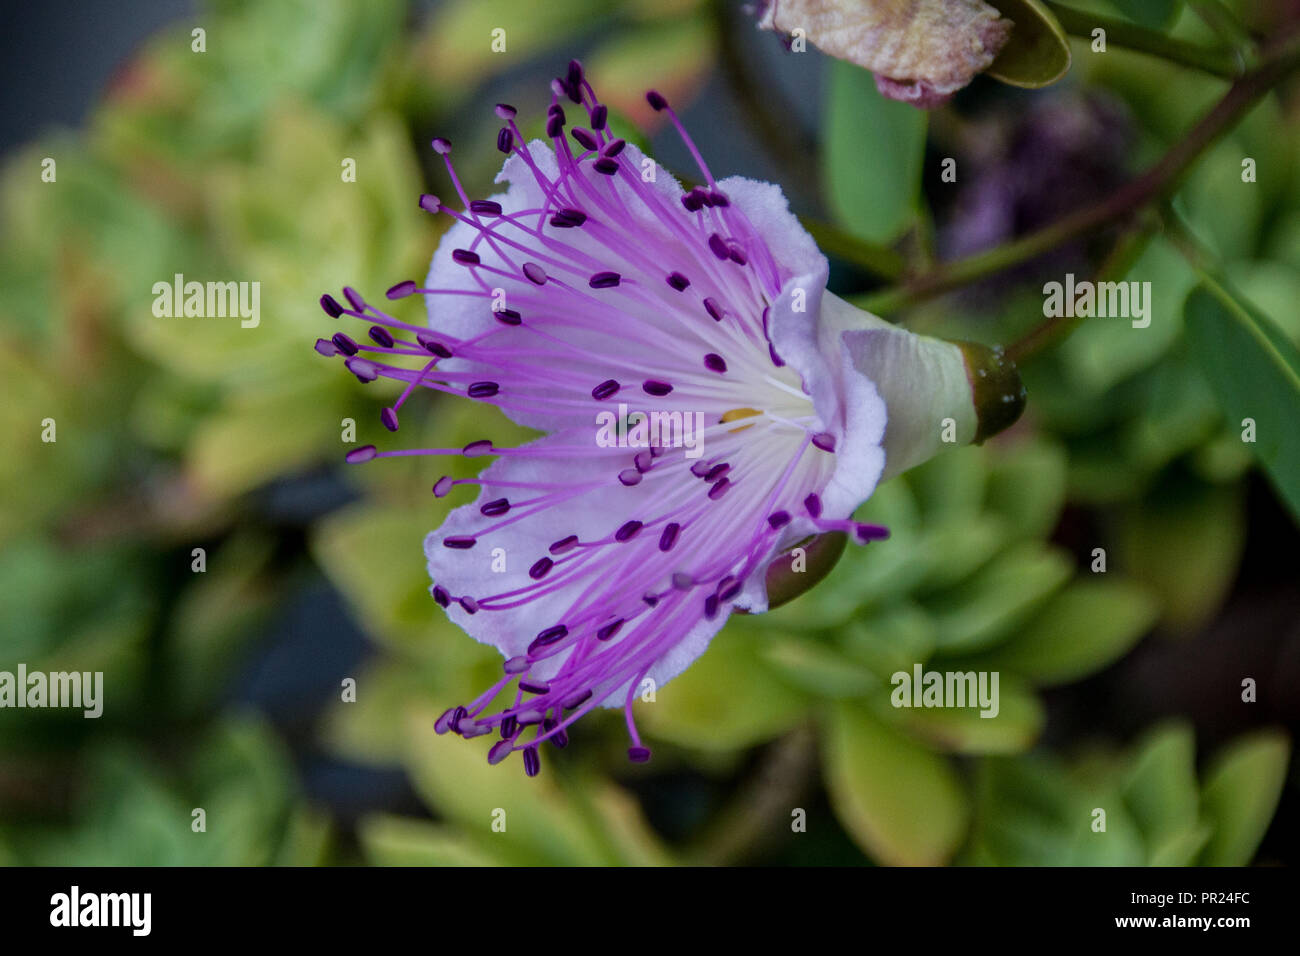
(228, 164)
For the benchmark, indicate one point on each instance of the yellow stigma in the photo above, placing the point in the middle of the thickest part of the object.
(738, 413)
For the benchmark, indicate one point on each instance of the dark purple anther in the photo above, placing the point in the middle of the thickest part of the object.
(459, 543)
(575, 74)
(568, 218)
(401, 290)
(485, 207)
(343, 342)
(495, 507)
(717, 471)
(669, 536)
(381, 336)
(656, 100)
(711, 606)
(331, 306)
(871, 532)
(656, 388)
(605, 632)
(363, 369)
(728, 588)
(719, 489)
(614, 147)
(605, 166)
(599, 116)
(719, 246)
(532, 762)
(700, 468)
(629, 477)
(555, 125)
(693, 201)
(715, 311)
(605, 389)
(813, 504)
(443, 723)
(468, 604)
(824, 440)
(541, 568)
(505, 111)
(509, 727)
(778, 519)
(585, 139)
(547, 638)
(737, 254)
(604, 280)
(715, 363)
(719, 199)
(628, 531)
(500, 751)
(505, 140)
(457, 715)
(576, 699)
(353, 296)
(465, 257)
(534, 273)
(560, 738)
(638, 754)
(442, 486)
(678, 281)
(440, 596)
(642, 459)
(388, 417)
(476, 448)
(534, 687)
(564, 544)
(483, 389)
(430, 344)
(507, 316)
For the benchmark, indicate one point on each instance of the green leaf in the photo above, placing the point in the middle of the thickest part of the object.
(397, 841)
(818, 668)
(1255, 374)
(1160, 786)
(1032, 812)
(543, 823)
(901, 802)
(871, 161)
(964, 730)
(1241, 792)
(1156, 14)
(1027, 487)
(1037, 54)
(1081, 630)
(1004, 593)
(728, 698)
(1185, 542)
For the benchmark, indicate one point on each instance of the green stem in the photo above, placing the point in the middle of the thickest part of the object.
(1080, 23)
(1158, 182)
